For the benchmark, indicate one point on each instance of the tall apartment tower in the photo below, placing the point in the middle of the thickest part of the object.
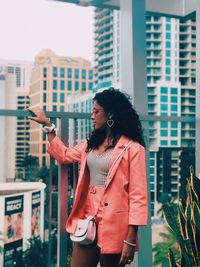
(187, 74)
(21, 70)
(23, 132)
(53, 79)
(171, 85)
(107, 45)
(171, 90)
(8, 126)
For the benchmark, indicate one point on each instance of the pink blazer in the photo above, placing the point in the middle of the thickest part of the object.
(124, 201)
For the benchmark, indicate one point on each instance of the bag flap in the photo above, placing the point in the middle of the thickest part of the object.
(82, 226)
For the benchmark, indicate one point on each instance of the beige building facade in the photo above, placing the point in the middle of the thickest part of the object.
(53, 79)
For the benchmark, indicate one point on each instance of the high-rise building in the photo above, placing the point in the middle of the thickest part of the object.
(21, 70)
(187, 74)
(23, 132)
(171, 59)
(53, 79)
(8, 126)
(107, 49)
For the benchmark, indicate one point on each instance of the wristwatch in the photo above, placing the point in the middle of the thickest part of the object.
(49, 129)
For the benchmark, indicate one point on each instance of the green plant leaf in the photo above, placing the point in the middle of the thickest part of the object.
(172, 261)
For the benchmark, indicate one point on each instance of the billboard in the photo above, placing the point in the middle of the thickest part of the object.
(13, 230)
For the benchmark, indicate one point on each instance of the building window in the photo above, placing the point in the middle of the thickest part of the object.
(44, 159)
(167, 70)
(174, 133)
(174, 99)
(163, 142)
(43, 148)
(164, 90)
(150, 98)
(83, 86)
(174, 143)
(90, 86)
(164, 107)
(168, 35)
(163, 98)
(44, 85)
(44, 72)
(54, 109)
(174, 124)
(44, 97)
(164, 133)
(69, 73)
(164, 124)
(168, 44)
(90, 74)
(69, 85)
(168, 53)
(76, 73)
(62, 72)
(62, 97)
(174, 91)
(174, 108)
(83, 74)
(54, 97)
(55, 84)
(168, 62)
(163, 114)
(62, 85)
(55, 72)
(62, 109)
(76, 86)
(150, 90)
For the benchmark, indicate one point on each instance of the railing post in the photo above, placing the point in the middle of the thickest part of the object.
(62, 252)
(52, 162)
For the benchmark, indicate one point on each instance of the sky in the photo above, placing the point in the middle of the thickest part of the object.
(28, 26)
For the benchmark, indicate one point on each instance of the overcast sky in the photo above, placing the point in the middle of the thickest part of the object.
(27, 26)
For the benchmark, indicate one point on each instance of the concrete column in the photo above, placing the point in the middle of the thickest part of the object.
(133, 73)
(197, 147)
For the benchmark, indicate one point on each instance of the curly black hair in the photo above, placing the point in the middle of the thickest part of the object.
(126, 119)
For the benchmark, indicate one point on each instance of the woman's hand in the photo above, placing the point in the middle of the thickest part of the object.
(128, 250)
(127, 255)
(40, 116)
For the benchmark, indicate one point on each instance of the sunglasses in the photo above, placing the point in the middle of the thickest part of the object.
(96, 111)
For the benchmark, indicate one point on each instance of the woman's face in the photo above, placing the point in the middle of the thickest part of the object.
(98, 116)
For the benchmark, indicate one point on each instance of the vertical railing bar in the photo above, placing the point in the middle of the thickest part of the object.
(75, 165)
(62, 249)
(52, 161)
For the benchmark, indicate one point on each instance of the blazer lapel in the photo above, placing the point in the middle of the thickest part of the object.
(116, 157)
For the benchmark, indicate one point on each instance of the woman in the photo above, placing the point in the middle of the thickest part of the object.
(112, 180)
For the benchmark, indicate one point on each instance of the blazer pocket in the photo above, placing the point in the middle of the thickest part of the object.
(120, 210)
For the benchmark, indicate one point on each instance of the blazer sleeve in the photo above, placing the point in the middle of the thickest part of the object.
(63, 154)
(138, 192)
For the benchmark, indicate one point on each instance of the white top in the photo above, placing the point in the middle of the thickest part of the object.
(98, 167)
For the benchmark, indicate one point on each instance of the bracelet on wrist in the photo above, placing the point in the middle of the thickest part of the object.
(49, 129)
(129, 243)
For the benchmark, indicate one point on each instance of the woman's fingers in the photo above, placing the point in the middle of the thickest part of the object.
(38, 115)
